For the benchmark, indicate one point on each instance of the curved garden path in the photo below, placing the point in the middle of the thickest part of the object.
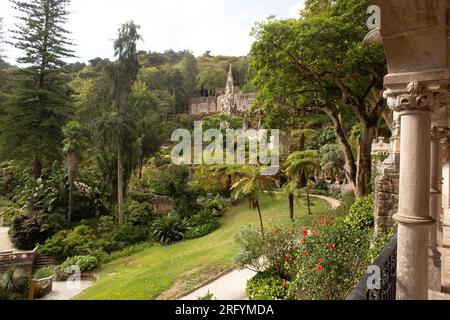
(334, 203)
(232, 286)
(64, 291)
(5, 242)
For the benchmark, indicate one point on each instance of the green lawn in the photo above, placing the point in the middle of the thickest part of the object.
(166, 272)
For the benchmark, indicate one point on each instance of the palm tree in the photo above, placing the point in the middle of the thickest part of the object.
(75, 142)
(124, 74)
(297, 165)
(252, 184)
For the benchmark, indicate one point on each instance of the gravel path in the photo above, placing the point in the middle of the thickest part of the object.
(333, 202)
(5, 243)
(229, 287)
(232, 285)
(64, 291)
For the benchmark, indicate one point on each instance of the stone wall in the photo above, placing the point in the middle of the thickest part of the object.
(386, 201)
(204, 105)
(212, 105)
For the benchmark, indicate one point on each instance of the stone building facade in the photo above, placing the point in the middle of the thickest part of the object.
(231, 102)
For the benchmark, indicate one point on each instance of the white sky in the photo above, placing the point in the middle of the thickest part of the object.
(221, 26)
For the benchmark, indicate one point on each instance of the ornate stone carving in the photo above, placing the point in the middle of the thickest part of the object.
(438, 133)
(425, 96)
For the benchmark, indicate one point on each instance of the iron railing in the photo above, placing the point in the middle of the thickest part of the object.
(387, 264)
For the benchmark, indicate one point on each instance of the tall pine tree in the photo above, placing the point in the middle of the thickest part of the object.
(31, 127)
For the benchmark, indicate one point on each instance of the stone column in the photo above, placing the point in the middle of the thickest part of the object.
(434, 261)
(445, 250)
(415, 102)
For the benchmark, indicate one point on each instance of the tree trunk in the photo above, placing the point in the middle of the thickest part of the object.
(141, 168)
(350, 163)
(73, 164)
(364, 172)
(120, 186)
(251, 203)
(291, 207)
(308, 200)
(260, 219)
(37, 168)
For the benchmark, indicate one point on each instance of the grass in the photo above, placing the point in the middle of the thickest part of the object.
(167, 272)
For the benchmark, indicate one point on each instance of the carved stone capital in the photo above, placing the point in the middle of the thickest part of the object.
(420, 96)
(438, 133)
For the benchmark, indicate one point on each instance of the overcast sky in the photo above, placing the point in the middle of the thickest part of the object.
(221, 26)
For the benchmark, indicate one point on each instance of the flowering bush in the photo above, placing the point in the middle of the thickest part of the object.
(324, 262)
(328, 263)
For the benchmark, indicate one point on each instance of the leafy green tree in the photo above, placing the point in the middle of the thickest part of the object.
(124, 74)
(31, 126)
(318, 64)
(75, 143)
(252, 184)
(332, 161)
(211, 79)
(298, 164)
(189, 71)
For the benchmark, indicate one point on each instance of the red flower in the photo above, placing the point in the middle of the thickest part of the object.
(305, 254)
(330, 246)
(286, 258)
(316, 232)
(323, 222)
(319, 268)
(283, 284)
(305, 232)
(320, 260)
(277, 232)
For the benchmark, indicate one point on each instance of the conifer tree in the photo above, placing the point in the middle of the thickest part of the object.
(31, 126)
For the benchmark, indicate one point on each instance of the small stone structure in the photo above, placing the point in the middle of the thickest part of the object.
(231, 102)
(162, 204)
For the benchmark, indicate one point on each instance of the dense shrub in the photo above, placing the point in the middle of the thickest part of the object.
(361, 213)
(266, 286)
(347, 201)
(8, 210)
(216, 207)
(141, 196)
(29, 229)
(202, 230)
(139, 214)
(74, 264)
(202, 218)
(121, 237)
(170, 228)
(65, 244)
(44, 273)
(322, 185)
(106, 224)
